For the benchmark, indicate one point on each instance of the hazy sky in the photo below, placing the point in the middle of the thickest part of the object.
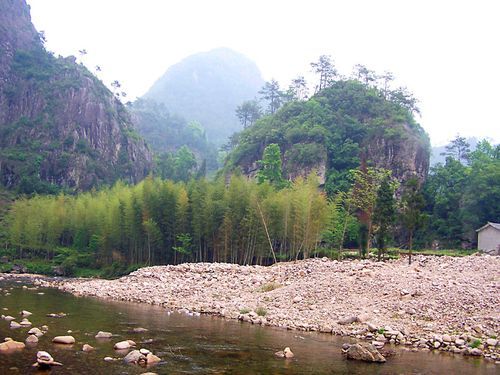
(446, 52)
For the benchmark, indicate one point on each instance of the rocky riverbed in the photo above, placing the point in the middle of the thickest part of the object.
(437, 303)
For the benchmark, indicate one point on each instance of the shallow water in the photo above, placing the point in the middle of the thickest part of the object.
(190, 345)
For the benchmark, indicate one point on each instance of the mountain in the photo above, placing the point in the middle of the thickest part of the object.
(344, 126)
(59, 125)
(167, 133)
(207, 87)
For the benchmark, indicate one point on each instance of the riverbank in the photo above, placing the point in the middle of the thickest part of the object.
(441, 303)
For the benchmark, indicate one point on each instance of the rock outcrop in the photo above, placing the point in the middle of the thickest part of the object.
(59, 125)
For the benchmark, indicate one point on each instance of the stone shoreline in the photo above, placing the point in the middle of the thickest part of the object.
(437, 303)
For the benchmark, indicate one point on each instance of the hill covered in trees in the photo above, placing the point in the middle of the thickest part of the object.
(59, 125)
(347, 123)
(207, 87)
(181, 148)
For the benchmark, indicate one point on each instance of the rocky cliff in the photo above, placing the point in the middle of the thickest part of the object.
(59, 125)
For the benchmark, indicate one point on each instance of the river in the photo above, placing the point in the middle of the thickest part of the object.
(189, 344)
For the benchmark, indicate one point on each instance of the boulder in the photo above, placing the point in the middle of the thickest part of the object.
(152, 359)
(288, 353)
(363, 318)
(364, 352)
(87, 348)
(11, 345)
(32, 339)
(8, 318)
(135, 356)
(25, 322)
(67, 340)
(14, 325)
(127, 344)
(347, 320)
(35, 331)
(491, 342)
(25, 313)
(44, 360)
(103, 335)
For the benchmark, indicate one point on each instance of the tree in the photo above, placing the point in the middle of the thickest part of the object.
(458, 148)
(363, 196)
(248, 112)
(387, 77)
(412, 204)
(271, 93)
(298, 89)
(270, 167)
(384, 214)
(326, 70)
(363, 74)
(403, 97)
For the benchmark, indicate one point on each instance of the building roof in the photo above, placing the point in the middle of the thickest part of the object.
(489, 224)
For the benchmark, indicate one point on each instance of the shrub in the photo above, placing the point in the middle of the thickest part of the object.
(269, 287)
(261, 311)
(244, 310)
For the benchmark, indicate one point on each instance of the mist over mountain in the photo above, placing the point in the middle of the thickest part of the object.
(207, 87)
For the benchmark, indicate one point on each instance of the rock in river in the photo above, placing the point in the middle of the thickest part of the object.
(68, 340)
(135, 356)
(364, 352)
(103, 335)
(45, 360)
(11, 345)
(32, 339)
(127, 344)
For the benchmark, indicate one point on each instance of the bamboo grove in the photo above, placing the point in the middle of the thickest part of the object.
(162, 222)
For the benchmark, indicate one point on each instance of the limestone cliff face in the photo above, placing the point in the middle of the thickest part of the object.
(58, 123)
(406, 156)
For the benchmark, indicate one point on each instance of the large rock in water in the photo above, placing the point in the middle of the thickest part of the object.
(59, 124)
(364, 352)
(67, 340)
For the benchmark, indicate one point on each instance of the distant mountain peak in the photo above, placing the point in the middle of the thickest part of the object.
(207, 87)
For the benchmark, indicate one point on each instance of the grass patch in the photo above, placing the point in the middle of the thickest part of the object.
(269, 287)
(261, 311)
(245, 310)
(475, 344)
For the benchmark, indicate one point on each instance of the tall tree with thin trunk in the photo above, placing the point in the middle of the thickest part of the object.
(412, 204)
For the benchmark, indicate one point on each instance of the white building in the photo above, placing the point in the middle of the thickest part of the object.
(488, 238)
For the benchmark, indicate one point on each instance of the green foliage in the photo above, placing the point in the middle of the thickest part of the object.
(178, 166)
(270, 167)
(167, 133)
(384, 214)
(269, 287)
(476, 343)
(158, 222)
(337, 122)
(245, 310)
(261, 311)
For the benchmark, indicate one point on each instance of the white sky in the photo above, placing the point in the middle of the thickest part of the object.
(446, 52)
